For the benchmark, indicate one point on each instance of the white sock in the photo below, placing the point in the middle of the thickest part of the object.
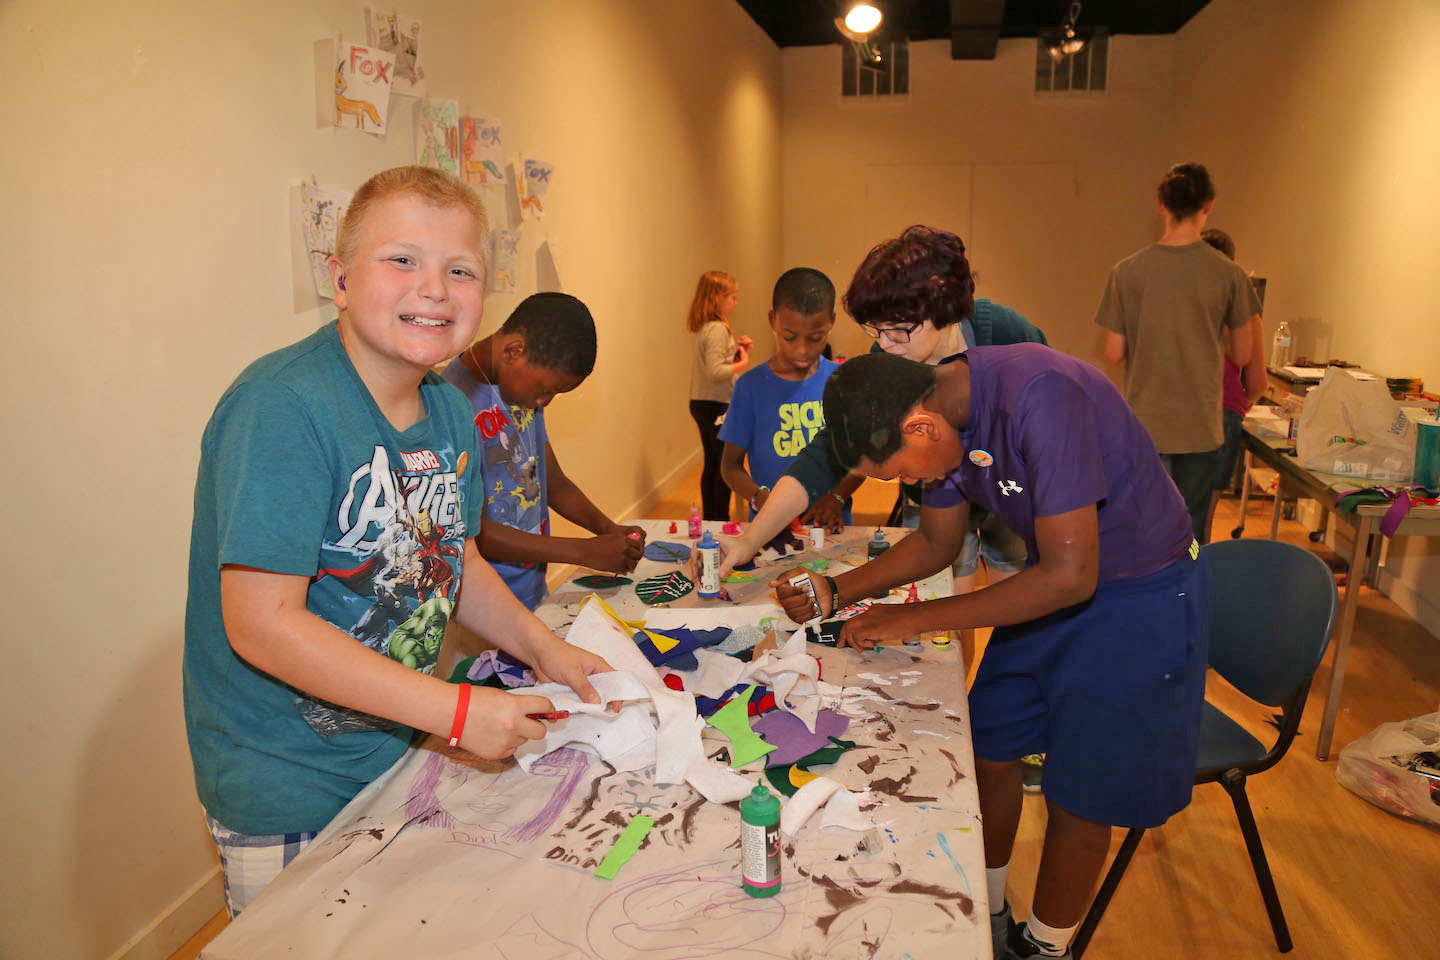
(1052, 941)
(995, 880)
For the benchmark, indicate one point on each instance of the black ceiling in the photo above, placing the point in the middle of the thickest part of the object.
(797, 23)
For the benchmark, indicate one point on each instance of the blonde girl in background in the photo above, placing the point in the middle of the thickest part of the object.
(718, 359)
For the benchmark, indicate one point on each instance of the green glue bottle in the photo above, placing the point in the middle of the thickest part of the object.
(760, 843)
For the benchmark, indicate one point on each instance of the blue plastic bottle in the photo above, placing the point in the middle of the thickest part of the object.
(709, 550)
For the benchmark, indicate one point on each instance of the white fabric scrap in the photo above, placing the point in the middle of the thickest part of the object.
(822, 791)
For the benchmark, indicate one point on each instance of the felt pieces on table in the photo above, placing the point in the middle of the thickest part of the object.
(675, 647)
(664, 588)
(666, 552)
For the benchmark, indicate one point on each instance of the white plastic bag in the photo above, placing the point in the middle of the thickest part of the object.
(1355, 427)
(1378, 768)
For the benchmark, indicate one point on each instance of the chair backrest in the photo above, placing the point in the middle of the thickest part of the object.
(1272, 607)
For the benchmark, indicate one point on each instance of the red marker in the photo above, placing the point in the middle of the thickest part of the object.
(633, 534)
(561, 715)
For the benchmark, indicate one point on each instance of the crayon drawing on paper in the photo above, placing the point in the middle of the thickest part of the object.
(437, 141)
(534, 186)
(362, 88)
(399, 36)
(504, 251)
(482, 155)
(321, 210)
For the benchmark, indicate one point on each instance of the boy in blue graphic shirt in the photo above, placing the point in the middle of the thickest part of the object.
(544, 349)
(775, 409)
(334, 508)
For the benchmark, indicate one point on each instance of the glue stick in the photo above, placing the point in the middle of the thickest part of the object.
(709, 549)
(760, 843)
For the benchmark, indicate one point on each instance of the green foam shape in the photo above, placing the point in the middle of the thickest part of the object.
(625, 847)
(733, 720)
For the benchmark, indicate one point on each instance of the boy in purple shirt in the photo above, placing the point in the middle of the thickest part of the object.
(1099, 652)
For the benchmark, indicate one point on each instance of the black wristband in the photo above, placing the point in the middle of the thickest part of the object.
(834, 593)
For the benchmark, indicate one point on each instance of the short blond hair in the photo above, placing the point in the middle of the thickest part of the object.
(435, 187)
(714, 286)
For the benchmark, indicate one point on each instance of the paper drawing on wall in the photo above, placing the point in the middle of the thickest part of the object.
(399, 36)
(321, 210)
(437, 141)
(482, 155)
(504, 251)
(534, 185)
(362, 88)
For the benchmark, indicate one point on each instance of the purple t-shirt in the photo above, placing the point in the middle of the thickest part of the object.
(1049, 434)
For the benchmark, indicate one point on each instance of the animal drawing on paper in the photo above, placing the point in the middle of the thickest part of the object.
(437, 141)
(344, 106)
(481, 154)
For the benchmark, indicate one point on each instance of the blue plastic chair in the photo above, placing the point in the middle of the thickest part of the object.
(1272, 610)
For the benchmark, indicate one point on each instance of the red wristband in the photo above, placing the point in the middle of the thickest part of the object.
(462, 710)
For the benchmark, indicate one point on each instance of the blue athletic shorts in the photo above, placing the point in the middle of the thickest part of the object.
(1111, 691)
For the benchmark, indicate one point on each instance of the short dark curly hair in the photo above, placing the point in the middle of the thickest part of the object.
(866, 401)
(920, 275)
(1186, 188)
(558, 331)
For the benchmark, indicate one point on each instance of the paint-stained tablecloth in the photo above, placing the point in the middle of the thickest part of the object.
(447, 855)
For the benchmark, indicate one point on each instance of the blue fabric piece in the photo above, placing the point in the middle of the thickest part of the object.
(705, 706)
(300, 473)
(512, 461)
(665, 551)
(681, 656)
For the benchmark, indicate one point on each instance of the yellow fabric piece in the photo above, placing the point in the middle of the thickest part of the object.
(800, 777)
(633, 625)
(662, 643)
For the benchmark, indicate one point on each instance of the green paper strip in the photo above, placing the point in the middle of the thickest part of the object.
(733, 720)
(625, 847)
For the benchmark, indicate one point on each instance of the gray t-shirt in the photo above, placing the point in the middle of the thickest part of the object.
(711, 375)
(1172, 304)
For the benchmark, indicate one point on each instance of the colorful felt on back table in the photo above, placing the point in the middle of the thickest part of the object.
(664, 588)
(666, 552)
(599, 581)
(792, 741)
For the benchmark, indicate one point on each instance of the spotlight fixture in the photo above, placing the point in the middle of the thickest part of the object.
(1067, 42)
(863, 18)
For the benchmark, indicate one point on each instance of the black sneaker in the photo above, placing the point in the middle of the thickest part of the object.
(1000, 926)
(1019, 946)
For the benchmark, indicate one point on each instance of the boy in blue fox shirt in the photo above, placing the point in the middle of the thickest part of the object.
(775, 409)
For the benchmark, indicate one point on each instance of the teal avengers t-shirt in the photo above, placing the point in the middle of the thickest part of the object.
(300, 473)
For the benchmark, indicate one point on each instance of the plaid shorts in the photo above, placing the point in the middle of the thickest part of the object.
(250, 862)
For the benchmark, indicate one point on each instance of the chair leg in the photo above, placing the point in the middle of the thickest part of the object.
(1106, 891)
(1234, 783)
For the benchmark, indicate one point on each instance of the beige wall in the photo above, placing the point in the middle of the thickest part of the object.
(151, 151)
(1318, 118)
(1046, 192)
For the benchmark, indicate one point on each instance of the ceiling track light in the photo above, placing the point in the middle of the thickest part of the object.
(863, 18)
(1068, 41)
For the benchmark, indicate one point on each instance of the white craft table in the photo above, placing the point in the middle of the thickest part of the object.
(446, 855)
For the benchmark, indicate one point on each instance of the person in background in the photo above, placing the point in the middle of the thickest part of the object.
(718, 359)
(775, 411)
(545, 348)
(1240, 389)
(335, 503)
(1167, 308)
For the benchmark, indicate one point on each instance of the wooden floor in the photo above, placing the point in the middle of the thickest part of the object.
(1355, 882)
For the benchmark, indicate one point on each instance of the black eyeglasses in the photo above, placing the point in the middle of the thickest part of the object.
(894, 332)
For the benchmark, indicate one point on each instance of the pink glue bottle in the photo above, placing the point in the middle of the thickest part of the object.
(694, 522)
(913, 596)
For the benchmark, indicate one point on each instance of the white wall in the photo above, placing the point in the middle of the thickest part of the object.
(1318, 118)
(1046, 192)
(151, 152)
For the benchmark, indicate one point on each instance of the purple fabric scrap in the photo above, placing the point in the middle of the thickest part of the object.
(792, 741)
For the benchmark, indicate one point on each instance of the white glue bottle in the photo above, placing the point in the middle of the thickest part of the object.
(709, 550)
